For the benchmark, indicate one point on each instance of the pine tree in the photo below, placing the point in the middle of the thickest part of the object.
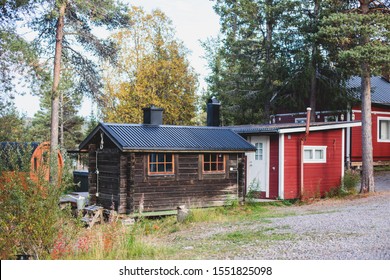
(358, 36)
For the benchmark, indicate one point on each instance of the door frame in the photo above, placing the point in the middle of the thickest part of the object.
(266, 140)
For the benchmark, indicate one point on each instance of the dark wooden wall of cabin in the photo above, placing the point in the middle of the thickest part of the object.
(188, 185)
(107, 181)
(123, 181)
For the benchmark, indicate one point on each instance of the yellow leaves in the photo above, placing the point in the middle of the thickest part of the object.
(152, 69)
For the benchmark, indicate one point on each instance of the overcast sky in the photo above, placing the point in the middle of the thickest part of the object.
(194, 21)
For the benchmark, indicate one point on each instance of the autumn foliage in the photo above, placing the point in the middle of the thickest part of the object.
(152, 70)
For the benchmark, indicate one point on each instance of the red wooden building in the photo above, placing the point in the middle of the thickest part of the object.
(380, 98)
(293, 161)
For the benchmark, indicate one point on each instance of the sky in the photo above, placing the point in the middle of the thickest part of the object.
(194, 21)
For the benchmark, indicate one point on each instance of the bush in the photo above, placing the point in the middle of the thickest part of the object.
(348, 185)
(350, 181)
(29, 211)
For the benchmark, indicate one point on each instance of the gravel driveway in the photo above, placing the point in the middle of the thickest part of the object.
(329, 229)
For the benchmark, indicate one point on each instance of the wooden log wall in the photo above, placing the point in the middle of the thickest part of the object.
(188, 185)
(92, 173)
(109, 178)
(123, 182)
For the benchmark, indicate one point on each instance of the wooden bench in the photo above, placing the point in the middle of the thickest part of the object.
(93, 214)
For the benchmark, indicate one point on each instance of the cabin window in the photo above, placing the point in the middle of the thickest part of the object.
(314, 154)
(160, 163)
(213, 163)
(384, 130)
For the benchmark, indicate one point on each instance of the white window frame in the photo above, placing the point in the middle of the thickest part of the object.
(314, 149)
(259, 153)
(379, 129)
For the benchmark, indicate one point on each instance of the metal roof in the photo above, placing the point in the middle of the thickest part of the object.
(380, 89)
(290, 127)
(139, 137)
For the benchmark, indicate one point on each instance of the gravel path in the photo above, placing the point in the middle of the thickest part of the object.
(329, 229)
(353, 230)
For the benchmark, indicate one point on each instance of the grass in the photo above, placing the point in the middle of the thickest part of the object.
(382, 168)
(165, 238)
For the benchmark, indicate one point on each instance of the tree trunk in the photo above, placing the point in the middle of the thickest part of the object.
(61, 119)
(268, 60)
(367, 181)
(54, 95)
(314, 65)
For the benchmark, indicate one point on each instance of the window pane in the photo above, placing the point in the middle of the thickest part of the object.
(220, 166)
(319, 154)
(213, 166)
(384, 128)
(206, 157)
(153, 168)
(206, 166)
(308, 154)
(152, 157)
(168, 158)
(160, 157)
(169, 167)
(161, 167)
(213, 157)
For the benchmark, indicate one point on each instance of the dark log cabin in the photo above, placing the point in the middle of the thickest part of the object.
(153, 167)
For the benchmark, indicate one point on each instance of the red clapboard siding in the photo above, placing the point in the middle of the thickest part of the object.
(319, 178)
(381, 150)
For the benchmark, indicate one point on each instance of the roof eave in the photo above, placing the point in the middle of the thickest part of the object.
(184, 150)
(320, 127)
(102, 127)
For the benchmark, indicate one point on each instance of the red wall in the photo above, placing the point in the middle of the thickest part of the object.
(319, 178)
(381, 150)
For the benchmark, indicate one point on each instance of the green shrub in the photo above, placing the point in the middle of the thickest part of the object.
(350, 181)
(348, 185)
(29, 211)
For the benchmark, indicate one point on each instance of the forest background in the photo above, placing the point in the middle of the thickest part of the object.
(271, 56)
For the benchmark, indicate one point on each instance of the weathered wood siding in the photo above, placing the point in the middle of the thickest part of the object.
(188, 185)
(123, 182)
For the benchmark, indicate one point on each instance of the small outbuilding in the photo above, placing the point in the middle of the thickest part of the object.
(295, 160)
(153, 167)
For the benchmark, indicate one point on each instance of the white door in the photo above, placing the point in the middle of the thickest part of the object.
(258, 165)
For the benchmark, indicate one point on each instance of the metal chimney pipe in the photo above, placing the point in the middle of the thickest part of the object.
(308, 111)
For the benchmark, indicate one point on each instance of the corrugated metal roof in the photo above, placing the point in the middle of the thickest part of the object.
(172, 138)
(380, 89)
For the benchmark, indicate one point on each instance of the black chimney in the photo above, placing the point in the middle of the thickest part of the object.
(153, 115)
(213, 106)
